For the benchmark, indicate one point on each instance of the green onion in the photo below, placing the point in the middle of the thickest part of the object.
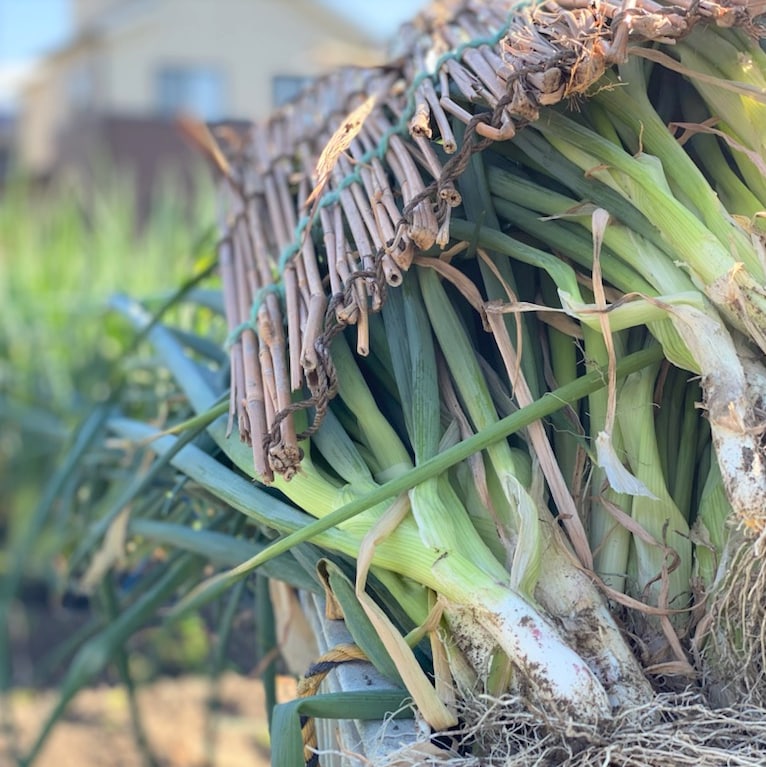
(589, 257)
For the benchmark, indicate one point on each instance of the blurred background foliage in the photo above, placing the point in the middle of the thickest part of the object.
(63, 253)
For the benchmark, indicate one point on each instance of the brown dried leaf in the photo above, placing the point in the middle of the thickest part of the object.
(459, 280)
(706, 127)
(111, 552)
(431, 707)
(743, 89)
(339, 142)
(200, 137)
(295, 637)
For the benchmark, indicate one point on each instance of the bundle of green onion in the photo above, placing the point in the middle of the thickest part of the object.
(550, 455)
(590, 235)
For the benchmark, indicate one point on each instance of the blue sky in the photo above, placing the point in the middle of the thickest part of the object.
(31, 27)
(378, 17)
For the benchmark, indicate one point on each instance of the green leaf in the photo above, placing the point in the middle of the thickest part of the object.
(287, 743)
(547, 404)
(223, 549)
(358, 624)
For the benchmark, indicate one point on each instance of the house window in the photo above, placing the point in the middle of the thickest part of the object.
(198, 90)
(286, 87)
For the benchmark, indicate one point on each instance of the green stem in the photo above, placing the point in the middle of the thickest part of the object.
(683, 476)
(378, 433)
(478, 206)
(628, 102)
(610, 541)
(682, 230)
(659, 516)
(499, 430)
(563, 362)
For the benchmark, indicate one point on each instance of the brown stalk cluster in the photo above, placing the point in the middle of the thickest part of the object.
(390, 159)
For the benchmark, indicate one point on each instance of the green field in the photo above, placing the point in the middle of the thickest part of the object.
(61, 258)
